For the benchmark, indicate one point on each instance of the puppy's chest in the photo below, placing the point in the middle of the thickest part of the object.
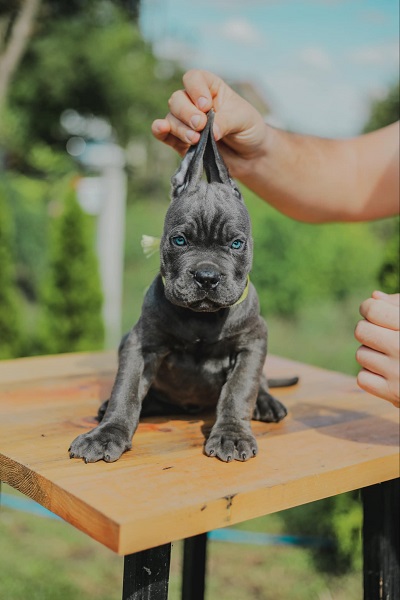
(199, 366)
(203, 353)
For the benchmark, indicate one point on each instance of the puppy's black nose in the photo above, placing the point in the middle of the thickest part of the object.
(207, 279)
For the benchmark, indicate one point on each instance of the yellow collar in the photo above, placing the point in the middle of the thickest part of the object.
(245, 292)
(242, 297)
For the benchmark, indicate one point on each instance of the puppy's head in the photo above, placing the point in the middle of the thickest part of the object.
(206, 247)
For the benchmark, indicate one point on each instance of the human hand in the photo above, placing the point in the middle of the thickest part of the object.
(238, 126)
(379, 354)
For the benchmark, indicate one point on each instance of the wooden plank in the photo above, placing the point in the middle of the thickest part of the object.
(59, 365)
(336, 438)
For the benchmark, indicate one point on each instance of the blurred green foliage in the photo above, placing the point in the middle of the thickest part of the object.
(296, 264)
(389, 272)
(27, 204)
(337, 519)
(91, 59)
(72, 298)
(384, 111)
(9, 318)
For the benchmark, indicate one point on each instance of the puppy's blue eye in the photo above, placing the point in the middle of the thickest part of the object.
(178, 240)
(236, 244)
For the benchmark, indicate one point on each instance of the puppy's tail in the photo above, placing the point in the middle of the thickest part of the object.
(282, 382)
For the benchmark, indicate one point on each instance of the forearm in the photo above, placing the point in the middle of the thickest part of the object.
(307, 178)
(318, 180)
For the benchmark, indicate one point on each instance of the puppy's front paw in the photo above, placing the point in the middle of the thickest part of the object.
(105, 442)
(228, 443)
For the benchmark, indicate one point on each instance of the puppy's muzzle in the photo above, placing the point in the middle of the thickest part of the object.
(207, 279)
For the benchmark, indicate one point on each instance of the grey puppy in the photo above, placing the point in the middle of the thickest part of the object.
(200, 341)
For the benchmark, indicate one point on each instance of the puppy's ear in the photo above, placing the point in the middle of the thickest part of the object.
(204, 156)
(190, 170)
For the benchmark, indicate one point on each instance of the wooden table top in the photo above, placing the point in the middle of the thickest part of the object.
(336, 438)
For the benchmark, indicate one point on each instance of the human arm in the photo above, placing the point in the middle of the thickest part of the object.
(379, 354)
(307, 178)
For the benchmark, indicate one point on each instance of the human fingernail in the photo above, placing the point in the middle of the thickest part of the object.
(202, 102)
(379, 294)
(195, 121)
(192, 136)
(157, 126)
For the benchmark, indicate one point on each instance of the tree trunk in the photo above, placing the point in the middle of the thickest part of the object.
(16, 45)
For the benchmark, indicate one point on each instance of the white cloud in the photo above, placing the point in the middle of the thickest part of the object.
(241, 31)
(384, 54)
(170, 48)
(316, 57)
(308, 105)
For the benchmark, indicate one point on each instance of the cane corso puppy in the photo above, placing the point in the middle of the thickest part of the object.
(200, 341)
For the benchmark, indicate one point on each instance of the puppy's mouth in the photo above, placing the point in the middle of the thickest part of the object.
(205, 305)
(198, 300)
(199, 303)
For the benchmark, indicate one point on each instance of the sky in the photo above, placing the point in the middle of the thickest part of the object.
(319, 64)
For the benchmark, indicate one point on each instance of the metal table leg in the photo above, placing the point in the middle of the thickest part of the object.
(194, 567)
(146, 574)
(381, 541)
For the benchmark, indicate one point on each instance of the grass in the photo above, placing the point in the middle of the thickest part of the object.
(322, 335)
(42, 559)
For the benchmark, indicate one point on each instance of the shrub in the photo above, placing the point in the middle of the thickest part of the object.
(338, 519)
(72, 296)
(28, 211)
(297, 264)
(388, 275)
(9, 318)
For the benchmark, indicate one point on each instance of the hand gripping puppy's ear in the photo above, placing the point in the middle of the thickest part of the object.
(204, 156)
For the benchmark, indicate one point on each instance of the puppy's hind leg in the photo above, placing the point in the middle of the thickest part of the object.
(102, 411)
(268, 408)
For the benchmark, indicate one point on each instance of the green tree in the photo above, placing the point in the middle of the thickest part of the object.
(338, 521)
(16, 23)
(384, 112)
(72, 298)
(27, 200)
(297, 264)
(389, 273)
(9, 321)
(20, 18)
(89, 57)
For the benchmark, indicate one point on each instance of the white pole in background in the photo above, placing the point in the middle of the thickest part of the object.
(109, 192)
(110, 250)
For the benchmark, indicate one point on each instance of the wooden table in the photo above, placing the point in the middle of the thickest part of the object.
(336, 438)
